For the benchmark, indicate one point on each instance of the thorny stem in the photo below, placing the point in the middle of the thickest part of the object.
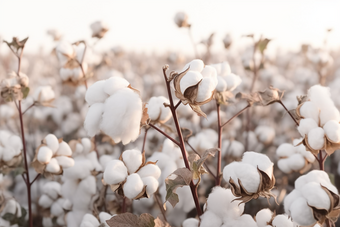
(192, 41)
(181, 143)
(219, 157)
(156, 196)
(146, 132)
(289, 113)
(164, 133)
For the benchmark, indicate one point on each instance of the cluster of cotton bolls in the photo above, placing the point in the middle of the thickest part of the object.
(265, 134)
(12, 87)
(312, 200)
(44, 95)
(266, 218)
(135, 177)
(157, 111)
(227, 81)
(52, 156)
(91, 221)
(10, 149)
(52, 201)
(319, 120)
(294, 157)
(115, 108)
(11, 207)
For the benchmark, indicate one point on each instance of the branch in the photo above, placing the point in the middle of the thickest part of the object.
(165, 134)
(241, 111)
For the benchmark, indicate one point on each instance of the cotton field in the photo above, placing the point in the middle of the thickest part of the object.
(229, 132)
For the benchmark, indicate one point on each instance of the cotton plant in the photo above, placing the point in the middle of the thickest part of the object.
(319, 120)
(14, 87)
(10, 150)
(52, 156)
(131, 175)
(250, 178)
(314, 200)
(11, 213)
(116, 109)
(294, 157)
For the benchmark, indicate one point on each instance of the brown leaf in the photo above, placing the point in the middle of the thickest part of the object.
(262, 98)
(131, 220)
(197, 167)
(186, 133)
(224, 98)
(159, 222)
(16, 45)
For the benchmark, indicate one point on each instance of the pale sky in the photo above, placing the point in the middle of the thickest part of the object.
(142, 25)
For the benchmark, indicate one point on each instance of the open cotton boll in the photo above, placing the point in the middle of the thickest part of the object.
(318, 94)
(103, 217)
(132, 159)
(233, 81)
(93, 118)
(243, 221)
(95, 93)
(53, 166)
(329, 113)
(45, 201)
(86, 142)
(206, 88)
(306, 125)
(233, 148)
(44, 155)
(64, 161)
(289, 199)
(283, 165)
(89, 221)
(221, 84)
(301, 213)
(64, 149)
(56, 208)
(115, 83)
(190, 222)
(115, 172)
(156, 109)
(122, 115)
(249, 177)
(260, 161)
(151, 185)
(133, 186)
(195, 65)
(52, 142)
(310, 110)
(285, 150)
(263, 217)
(149, 170)
(191, 78)
(265, 134)
(282, 221)
(229, 172)
(43, 94)
(316, 138)
(209, 219)
(52, 189)
(316, 196)
(296, 162)
(332, 130)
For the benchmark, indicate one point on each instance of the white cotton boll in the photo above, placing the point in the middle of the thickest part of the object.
(93, 118)
(233, 81)
(243, 221)
(64, 161)
(150, 170)
(289, 199)
(67, 205)
(10, 207)
(206, 89)
(282, 221)
(229, 172)
(191, 78)
(133, 160)
(332, 130)
(285, 150)
(53, 166)
(133, 186)
(310, 110)
(263, 217)
(104, 160)
(65, 74)
(95, 93)
(115, 172)
(46, 222)
(221, 84)
(52, 142)
(61, 220)
(260, 161)
(318, 94)
(306, 125)
(122, 115)
(329, 113)
(301, 213)
(316, 196)
(190, 222)
(236, 149)
(8, 154)
(209, 71)
(45, 201)
(195, 65)
(44, 155)
(103, 217)
(265, 134)
(249, 177)
(316, 138)
(86, 142)
(296, 162)
(151, 185)
(209, 219)
(283, 165)
(156, 109)
(52, 189)
(56, 208)
(89, 220)
(43, 94)
(115, 83)
(64, 149)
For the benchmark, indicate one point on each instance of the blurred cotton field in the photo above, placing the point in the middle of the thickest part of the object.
(169, 114)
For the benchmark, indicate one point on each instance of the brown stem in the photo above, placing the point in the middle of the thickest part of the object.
(289, 113)
(321, 160)
(181, 143)
(124, 205)
(177, 105)
(156, 196)
(219, 157)
(36, 178)
(165, 134)
(146, 132)
(33, 104)
(238, 113)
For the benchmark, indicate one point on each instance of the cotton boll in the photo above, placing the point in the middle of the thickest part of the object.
(190, 222)
(44, 155)
(53, 166)
(133, 160)
(115, 172)
(329, 113)
(310, 110)
(9, 153)
(64, 161)
(64, 149)
(46, 222)
(151, 185)
(283, 165)
(235, 149)
(209, 219)
(229, 172)
(156, 109)
(301, 213)
(243, 221)
(289, 199)
(195, 65)
(52, 142)
(56, 208)
(45, 201)
(43, 94)
(191, 78)
(260, 161)
(316, 196)
(306, 125)
(93, 119)
(89, 221)
(133, 186)
(263, 217)
(60, 220)
(96, 93)
(86, 142)
(249, 177)
(285, 150)
(296, 162)
(115, 83)
(282, 221)
(332, 130)
(316, 138)
(221, 84)
(265, 133)
(103, 217)
(149, 170)
(233, 81)
(52, 189)
(206, 89)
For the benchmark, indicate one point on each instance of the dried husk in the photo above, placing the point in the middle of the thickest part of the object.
(262, 98)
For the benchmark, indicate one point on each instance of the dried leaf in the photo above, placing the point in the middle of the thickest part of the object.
(262, 98)
(145, 115)
(262, 44)
(25, 91)
(178, 178)
(16, 45)
(131, 220)
(224, 98)
(197, 167)
(159, 222)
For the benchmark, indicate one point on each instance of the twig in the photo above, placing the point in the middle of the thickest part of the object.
(156, 194)
(36, 178)
(219, 157)
(177, 105)
(165, 134)
(33, 104)
(289, 113)
(238, 113)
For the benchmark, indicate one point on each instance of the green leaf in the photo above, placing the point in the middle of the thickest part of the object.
(25, 91)
(8, 217)
(262, 44)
